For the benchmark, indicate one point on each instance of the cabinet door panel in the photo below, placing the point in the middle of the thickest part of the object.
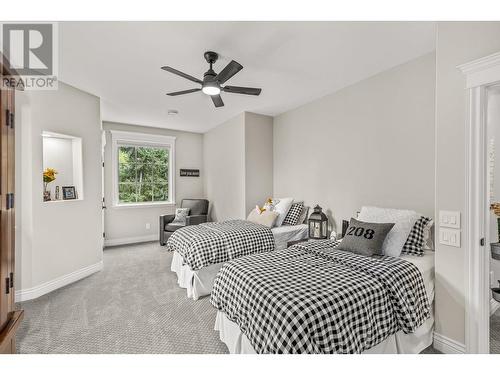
(11, 190)
(5, 300)
(9, 318)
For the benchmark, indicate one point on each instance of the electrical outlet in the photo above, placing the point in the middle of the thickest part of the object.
(148, 226)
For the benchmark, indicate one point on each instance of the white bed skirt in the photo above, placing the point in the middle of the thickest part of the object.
(197, 283)
(399, 343)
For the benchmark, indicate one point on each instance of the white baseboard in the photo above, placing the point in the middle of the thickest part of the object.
(447, 346)
(49, 286)
(494, 305)
(130, 240)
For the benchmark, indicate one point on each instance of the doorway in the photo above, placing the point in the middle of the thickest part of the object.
(493, 185)
(103, 199)
(482, 85)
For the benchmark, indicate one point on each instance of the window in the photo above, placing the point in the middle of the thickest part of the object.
(143, 174)
(144, 169)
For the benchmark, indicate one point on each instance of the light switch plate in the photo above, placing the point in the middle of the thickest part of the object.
(449, 237)
(449, 219)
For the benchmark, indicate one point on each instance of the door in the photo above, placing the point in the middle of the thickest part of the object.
(9, 318)
(5, 257)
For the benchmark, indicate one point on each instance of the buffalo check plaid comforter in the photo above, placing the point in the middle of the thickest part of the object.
(210, 243)
(311, 298)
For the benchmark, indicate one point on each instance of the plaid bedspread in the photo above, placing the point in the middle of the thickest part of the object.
(311, 298)
(210, 243)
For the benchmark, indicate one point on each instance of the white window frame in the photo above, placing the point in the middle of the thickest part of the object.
(119, 138)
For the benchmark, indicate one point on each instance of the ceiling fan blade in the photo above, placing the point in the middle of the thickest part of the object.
(230, 70)
(182, 92)
(217, 100)
(179, 73)
(242, 90)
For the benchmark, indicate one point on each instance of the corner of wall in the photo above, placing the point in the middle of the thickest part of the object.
(44, 233)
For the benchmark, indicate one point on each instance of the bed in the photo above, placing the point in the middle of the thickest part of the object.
(316, 299)
(200, 251)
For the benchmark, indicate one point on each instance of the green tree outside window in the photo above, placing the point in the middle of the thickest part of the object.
(143, 174)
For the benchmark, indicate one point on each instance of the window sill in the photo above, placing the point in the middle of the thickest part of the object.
(142, 205)
(63, 200)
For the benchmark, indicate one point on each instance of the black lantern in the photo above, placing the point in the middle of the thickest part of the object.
(318, 224)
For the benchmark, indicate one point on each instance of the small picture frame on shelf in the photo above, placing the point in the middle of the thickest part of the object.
(69, 192)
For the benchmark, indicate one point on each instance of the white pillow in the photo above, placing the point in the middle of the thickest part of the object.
(282, 208)
(403, 223)
(428, 240)
(267, 218)
(181, 215)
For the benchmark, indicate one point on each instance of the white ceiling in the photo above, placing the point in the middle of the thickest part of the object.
(293, 62)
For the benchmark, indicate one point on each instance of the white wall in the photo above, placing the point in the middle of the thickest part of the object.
(371, 143)
(57, 238)
(58, 154)
(224, 164)
(125, 225)
(238, 159)
(258, 159)
(457, 43)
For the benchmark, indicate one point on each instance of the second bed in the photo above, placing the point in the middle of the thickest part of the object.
(200, 282)
(397, 343)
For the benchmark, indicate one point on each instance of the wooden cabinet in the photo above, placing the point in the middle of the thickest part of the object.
(9, 318)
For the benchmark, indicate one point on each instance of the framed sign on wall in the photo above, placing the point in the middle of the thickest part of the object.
(190, 173)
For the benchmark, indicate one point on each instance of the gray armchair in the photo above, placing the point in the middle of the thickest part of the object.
(197, 214)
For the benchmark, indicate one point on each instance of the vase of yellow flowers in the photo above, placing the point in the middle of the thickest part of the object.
(49, 175)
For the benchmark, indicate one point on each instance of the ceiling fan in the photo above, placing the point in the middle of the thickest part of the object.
(212, 82)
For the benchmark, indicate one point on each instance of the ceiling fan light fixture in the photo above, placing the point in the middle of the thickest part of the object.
(211, 88)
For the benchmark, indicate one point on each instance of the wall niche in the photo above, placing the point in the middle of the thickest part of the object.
(62, 168)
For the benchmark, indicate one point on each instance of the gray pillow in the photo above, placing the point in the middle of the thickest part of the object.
(180, 216)
(365, 238)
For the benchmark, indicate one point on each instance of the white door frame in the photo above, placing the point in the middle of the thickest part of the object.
(480, 74)
(103, 187)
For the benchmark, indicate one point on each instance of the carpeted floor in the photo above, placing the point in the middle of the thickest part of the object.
(132, 306)
(495, 333)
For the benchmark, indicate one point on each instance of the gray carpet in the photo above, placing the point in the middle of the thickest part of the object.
(133, 306)
(495, 332)
(430, 350)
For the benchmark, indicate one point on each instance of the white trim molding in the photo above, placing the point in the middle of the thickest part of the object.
(142, 139)
(483, 71)
(143, 205)
(479, 74)
(130, 240)
(49, 286)
(446, 345)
